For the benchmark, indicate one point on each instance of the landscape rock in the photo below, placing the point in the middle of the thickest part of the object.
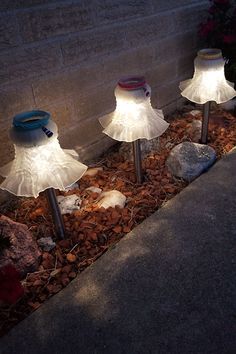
(147, 147)
(46, 243)
(111, 199)
(194, 129)
(188, 160)
(23, 252)
(94, 189)
(69, 203)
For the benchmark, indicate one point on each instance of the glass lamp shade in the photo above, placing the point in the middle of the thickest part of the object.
(208, 82)
(40, 162)
(134, 118)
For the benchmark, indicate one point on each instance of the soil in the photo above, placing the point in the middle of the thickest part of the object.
(92, 230)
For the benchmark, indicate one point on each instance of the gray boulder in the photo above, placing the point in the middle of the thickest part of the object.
(23, 252)
(188, 160)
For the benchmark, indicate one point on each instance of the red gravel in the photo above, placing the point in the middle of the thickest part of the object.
(91, 231)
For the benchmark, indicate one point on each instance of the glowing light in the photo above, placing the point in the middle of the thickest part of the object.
(40, 162)
(208, 82)
(134, 118)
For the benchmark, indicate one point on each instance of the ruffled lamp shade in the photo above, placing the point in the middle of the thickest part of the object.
(40, 162)
(208, 82)
(134, 118)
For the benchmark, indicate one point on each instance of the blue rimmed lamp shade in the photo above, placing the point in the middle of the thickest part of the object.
(40, 163)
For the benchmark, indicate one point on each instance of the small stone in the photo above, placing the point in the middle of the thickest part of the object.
(111, 199)
(68, 204)
(94, 189)
(46, 243)
(188, 160)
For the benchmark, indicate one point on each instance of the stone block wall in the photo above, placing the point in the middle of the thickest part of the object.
(66, 56)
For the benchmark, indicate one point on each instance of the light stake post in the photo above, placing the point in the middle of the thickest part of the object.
(40, 164)
(208, 84)
(205, 122)
(137, 161)
(56, 213)
(134, 118)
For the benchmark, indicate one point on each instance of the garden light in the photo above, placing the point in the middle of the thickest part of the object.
(208, 84)
(134, 118)
(40, 164)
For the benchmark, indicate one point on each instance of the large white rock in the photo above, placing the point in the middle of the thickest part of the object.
(111, 199)
(188, 160)
(69, 203)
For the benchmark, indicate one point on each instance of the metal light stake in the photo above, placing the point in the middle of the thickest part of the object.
(56, 214)
(137, 161)
(205, 122)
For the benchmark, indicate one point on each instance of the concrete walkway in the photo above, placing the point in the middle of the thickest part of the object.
(168, 287)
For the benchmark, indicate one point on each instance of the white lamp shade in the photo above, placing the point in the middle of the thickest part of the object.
(134, 118)
(208, 82)
(36, 168)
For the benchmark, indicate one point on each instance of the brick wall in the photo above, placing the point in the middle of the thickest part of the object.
(66, 56)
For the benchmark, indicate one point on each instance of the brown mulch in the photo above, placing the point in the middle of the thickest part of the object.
(92, 230)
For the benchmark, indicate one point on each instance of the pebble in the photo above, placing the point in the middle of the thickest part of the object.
(68, 204)
(46, 243)
(94, 189)
(111, 199)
